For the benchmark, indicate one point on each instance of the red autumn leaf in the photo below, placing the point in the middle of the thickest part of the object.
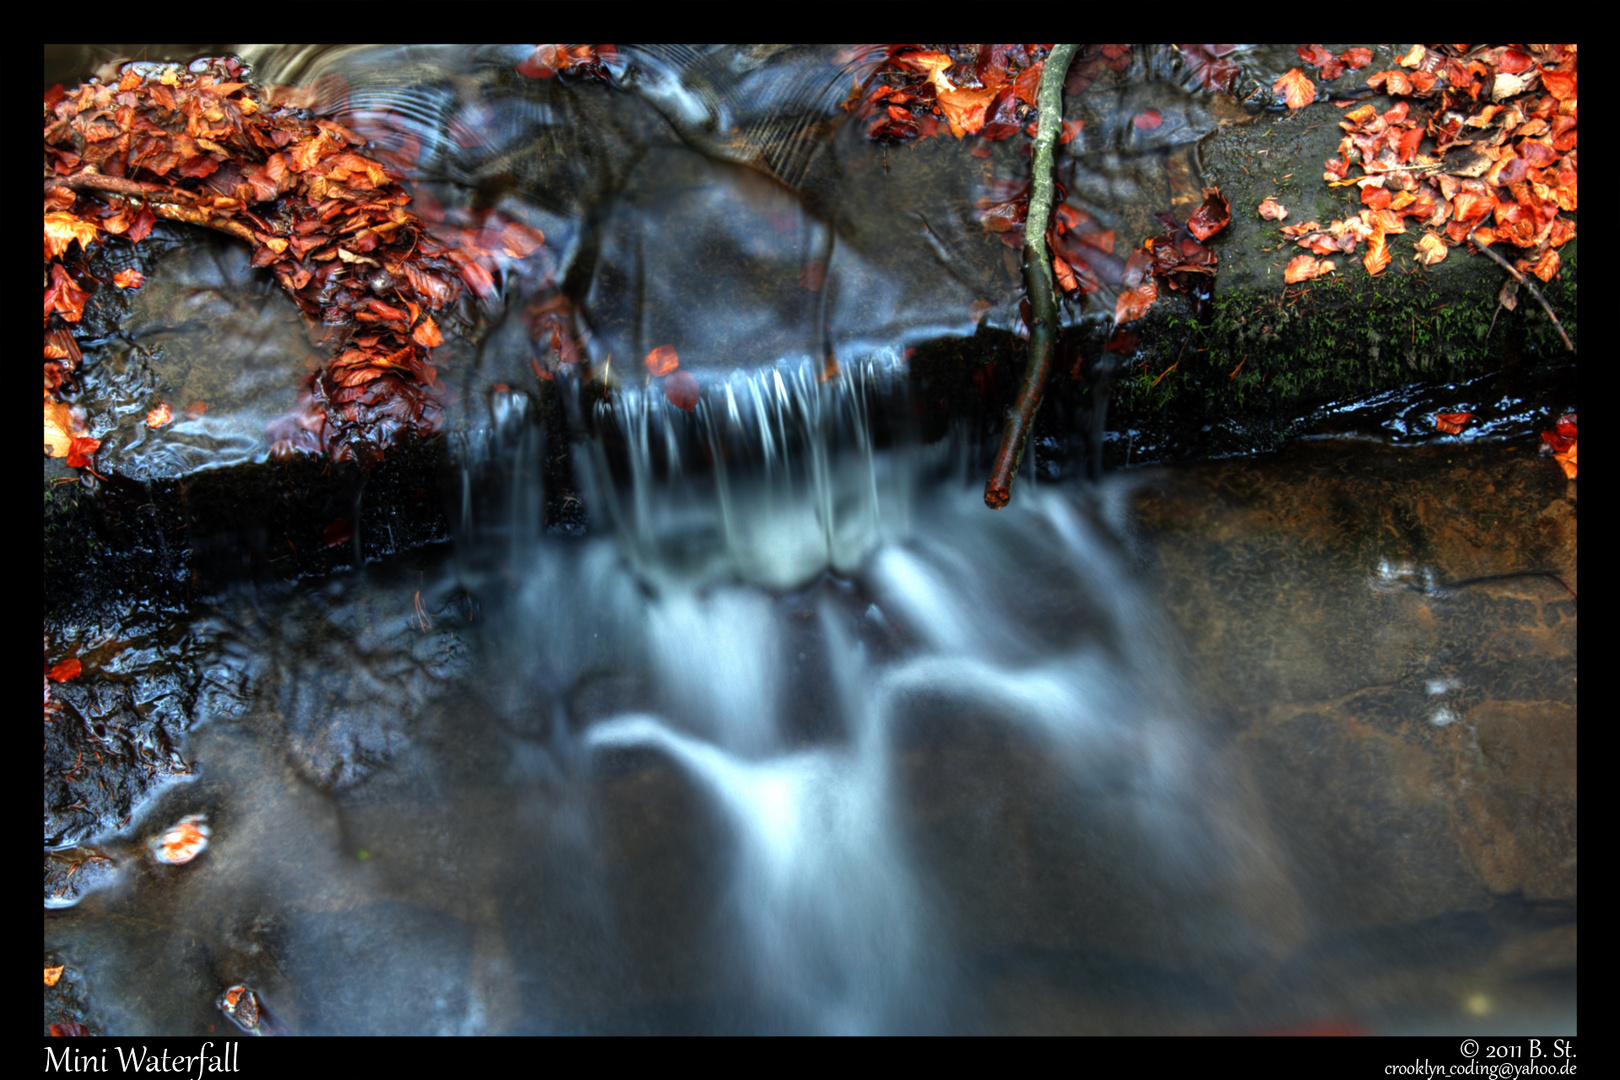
(662, 361)
(1148, 120)
(63, 296)
(196, 409)
(1356, 58)
(1272, 210)
(1134, 303)
(1560, 84)
(681, 388)
(1065, 275)
(338, 533)
(67, 669)
(81, 450)
(129, 279)
(159, 416)
(1295, 88)
(1211, 217)
(1452, 422)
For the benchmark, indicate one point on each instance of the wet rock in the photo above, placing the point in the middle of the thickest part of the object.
(106, 752)
(73, 873)
(66, 1008)
(1394, 633)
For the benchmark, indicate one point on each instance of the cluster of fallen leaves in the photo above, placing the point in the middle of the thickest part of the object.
(1178, 256)
(1480, 144)
(984, 90)
(592, 62)
(1560, 443)
(332, 224)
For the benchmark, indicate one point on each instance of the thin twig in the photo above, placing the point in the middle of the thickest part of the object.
(1535, 292)
(1037, 281)
(173, 204)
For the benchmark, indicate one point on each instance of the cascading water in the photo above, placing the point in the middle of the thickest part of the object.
(839, 652)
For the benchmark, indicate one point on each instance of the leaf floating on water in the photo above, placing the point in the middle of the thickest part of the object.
(338, 533)
(67, 669)
(1452, 422)
(159, 416)
(681, 388)
(662, 361)
(182, 843)
(53, 975)
(81, 450)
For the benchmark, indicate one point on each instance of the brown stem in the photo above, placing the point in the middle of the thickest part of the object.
(1526, 282)
(166, 202)
(1037, 281)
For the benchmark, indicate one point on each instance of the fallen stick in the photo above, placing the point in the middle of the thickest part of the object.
(1038, 283)
(1542, 300)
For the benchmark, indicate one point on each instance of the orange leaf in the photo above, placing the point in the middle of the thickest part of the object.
(1431, 249)
(1295, 88)
(1546, 266)
(1305, 267)
(1377, 257)
(182, 843)
(53, 975)
(159, 416)
(58, 428)
(64, 296)
(81, 450)
(681, 388)
(1212, 216)
(1566, 461)
(1272, 210)
(129, 279)
(662, 361)
(427, 333)
(964, 109)
(1065, 275)
(67, 669)
(1452, 422)
(1134, 303)
(61, 229)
